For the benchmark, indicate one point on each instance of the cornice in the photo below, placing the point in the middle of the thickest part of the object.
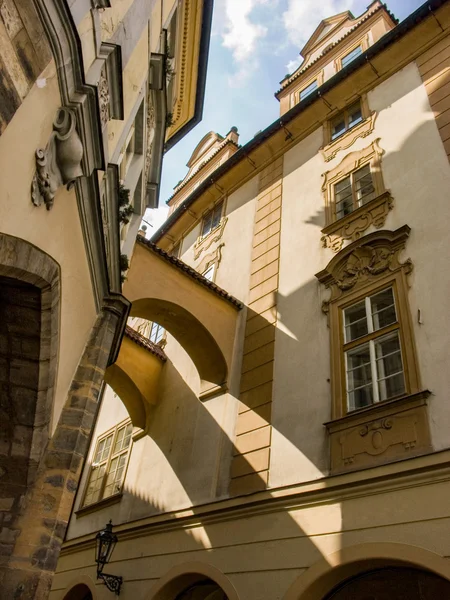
(404, 474)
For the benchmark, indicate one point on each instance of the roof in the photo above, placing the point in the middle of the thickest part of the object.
(142, 341)
(189, 271)
(408, 24)
(201, 76)
(185, 181)
(301, 70)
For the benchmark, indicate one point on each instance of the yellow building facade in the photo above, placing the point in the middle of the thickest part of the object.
(92, 92)
(280, 430)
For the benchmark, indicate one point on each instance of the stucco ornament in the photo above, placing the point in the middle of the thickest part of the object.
(104, 98)
(60, 162)
(151, 125)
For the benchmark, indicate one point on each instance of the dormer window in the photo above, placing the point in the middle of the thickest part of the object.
(345, 60)
(309, 89)
(346, 119)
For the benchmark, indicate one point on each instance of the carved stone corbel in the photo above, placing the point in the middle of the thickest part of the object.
(60, 163)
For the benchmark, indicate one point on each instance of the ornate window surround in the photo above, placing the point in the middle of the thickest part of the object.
(295, 94)
(363, 42)
(374, 212)
(392, 429)
(204, 243)
(347, 139)
(211, 259)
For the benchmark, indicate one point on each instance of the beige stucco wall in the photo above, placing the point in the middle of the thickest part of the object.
(56, 232)
(416, 171)
(264, 552)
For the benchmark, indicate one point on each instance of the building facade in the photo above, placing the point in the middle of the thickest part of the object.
(91, 93)
(283, 434)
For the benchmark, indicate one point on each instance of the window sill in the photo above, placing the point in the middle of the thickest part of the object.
(344, 141)
(381, 433)
(354, 224)
(115, 499)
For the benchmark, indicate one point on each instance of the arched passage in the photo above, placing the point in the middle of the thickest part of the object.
(394, 583)
(200, 315)
(190, 333)
(29, 327)
(79, 592)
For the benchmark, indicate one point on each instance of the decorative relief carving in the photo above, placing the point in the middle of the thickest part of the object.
(212, 258)
(362, 130)
(382, 433)
(353, 225)
(104, 98)
(366, 259)
(151, 124)
(60, 163)
(202, 244)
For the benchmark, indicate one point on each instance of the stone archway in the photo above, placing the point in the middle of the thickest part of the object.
(394, 583)
(79, 592)
(29, 330)
(203, 590)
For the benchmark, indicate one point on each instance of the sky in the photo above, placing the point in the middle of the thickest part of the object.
(254, 44)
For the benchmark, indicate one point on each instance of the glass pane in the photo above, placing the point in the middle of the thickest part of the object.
(360, 398)
(343, 197)
(308, 90)
(355, 321)
(364, 187)
(98, 454)
(127, 438)
(209, 273)
(351, 56)
(391, 381)
(217, 215)
(156, 333)
(337, 126)
(207, 224)
(354, 115)
(119, 439)
(383, 309)
(94, 485)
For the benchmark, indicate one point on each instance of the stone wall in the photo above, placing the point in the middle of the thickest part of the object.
(20, 327)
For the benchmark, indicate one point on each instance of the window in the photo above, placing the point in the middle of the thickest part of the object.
(373, 356)
(346, 120)
(211, 220)
(351, 56)
(353, 191)
(309, 89)
(209, 273)
(157, 333)
(176, 250)
(108, 467)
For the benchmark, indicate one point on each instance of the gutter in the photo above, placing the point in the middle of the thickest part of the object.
(387, 40)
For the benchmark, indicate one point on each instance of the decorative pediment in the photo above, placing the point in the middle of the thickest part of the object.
(366, 259)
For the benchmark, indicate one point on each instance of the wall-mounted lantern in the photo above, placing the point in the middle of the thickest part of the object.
(105, 543)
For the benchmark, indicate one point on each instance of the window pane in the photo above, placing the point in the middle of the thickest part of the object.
(359, 378)
(343, 197)
(209, 273)
(338, 126)
(364, 187)
(94, 485)
(383, 309)
(217, 215)
(355, 321)
(156, 333)
(391, 381)
(207, 221)
(119, 439)
(308, 90)
(351, 56)
(354, 115)
(127, 437)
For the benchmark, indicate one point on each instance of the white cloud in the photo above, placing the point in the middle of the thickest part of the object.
(303, 16)
(241, 34)
(293, 64)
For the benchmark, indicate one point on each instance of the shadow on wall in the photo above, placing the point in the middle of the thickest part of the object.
(250, 548)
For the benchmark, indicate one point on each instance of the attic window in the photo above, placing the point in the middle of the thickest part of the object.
(309, 89)
(348, 58)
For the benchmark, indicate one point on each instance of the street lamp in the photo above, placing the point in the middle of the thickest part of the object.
(105, 543)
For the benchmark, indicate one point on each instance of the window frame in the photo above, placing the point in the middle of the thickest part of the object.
(359, 46)
(370, 337)
(295, 95)
(205, 216)
(158, 327)
(114, 432)
(346, 115)
(363, 42)
(353, 187)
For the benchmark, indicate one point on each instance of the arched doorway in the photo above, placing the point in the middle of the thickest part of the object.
(79, 592)
(203, 590)
(396, 583)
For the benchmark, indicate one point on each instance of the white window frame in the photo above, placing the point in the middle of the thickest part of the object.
(158, 328)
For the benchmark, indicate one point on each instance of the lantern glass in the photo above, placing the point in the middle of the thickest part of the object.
(106, 541)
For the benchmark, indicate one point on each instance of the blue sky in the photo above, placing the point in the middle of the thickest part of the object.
(254, 44)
